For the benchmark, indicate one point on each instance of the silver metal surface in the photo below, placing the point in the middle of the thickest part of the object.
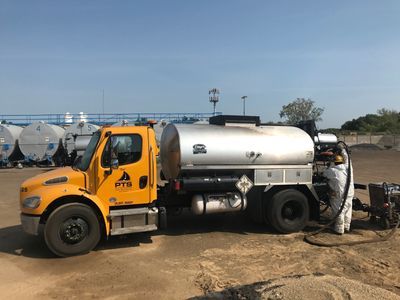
(217, 203)
(133, 229)
(81, 143)
(192, 146)
(76, 130)
(30, 224)
(9, 135)
(242, 167)
(158, 130)
(283, 176)
(298, 176)
(39, 141)
(326, 138)
(268, 176)
(133, 220)
(126, 212)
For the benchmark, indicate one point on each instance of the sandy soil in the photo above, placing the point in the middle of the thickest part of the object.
(199, 255)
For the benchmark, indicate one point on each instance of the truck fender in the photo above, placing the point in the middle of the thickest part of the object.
(90, 200)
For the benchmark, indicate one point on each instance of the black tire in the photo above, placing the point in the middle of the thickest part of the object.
(162, 221)
(72, 229)
(288, 211)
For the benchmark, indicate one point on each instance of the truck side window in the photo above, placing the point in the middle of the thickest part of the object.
(127, 148)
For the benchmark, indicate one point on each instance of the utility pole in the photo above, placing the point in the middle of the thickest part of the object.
(214, 97)
(244, 104)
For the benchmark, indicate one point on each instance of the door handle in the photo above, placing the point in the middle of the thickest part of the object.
(143, 182)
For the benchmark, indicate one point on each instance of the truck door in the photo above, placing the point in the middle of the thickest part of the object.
(126, 181)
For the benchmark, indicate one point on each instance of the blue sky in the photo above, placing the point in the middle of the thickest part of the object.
(164, 56)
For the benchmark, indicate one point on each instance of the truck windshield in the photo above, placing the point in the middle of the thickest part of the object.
(83, 165)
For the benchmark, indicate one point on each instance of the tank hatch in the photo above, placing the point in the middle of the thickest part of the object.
(234, 119)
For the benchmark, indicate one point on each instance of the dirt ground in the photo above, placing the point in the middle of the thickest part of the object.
(198, 255)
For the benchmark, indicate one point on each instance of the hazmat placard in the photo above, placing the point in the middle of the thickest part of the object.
(244, 184)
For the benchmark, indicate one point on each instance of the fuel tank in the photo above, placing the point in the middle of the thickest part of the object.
(186, 147)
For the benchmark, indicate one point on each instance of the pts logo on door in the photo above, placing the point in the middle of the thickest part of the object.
(124, 183)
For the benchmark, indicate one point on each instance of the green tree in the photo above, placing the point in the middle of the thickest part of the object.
(385, 120)
(390, 120)
(301, 109)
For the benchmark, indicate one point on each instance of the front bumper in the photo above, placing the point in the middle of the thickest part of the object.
(30, 224)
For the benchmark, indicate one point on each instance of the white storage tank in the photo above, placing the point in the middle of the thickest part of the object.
(68, 118)
(83, 117)
(81, 131)
(9, 135)
(40, 141)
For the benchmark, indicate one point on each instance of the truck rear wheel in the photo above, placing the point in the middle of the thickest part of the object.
(72, 229)
(288, 211)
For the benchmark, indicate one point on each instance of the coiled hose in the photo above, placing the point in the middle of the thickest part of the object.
(308, 236)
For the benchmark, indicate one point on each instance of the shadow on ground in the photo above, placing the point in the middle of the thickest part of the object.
(186, 224)
(14, 241)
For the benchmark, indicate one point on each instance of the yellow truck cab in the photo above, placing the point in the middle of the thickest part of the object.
(111, 190)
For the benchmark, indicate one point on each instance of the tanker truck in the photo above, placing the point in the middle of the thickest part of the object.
(126, 183)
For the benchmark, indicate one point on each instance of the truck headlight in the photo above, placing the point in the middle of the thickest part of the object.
(31, 202)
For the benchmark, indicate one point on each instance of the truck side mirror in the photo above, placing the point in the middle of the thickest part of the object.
(110, 156)
(114, 163)
(112, 151)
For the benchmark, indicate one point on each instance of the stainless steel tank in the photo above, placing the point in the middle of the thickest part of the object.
(158, 129)
(325, 138)
(81, 143)
(40, 141)
(9, 135)
(77, 130)
(216, 203)
(186, 147)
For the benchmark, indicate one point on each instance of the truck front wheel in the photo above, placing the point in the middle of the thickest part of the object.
(72, 229)
(288, 211)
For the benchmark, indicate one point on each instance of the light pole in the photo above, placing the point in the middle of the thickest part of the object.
(214, 97)
(244, 104)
